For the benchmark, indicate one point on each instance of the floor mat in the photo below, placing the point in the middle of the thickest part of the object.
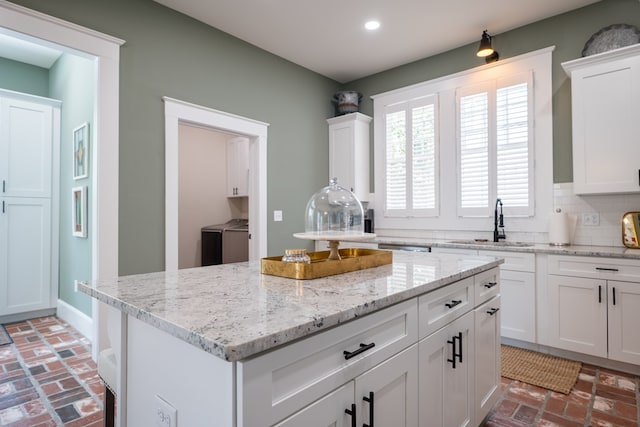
(539, 369)
(5, 338)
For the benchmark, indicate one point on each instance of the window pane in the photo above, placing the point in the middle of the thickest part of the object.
(474, 151)
(396, 160)
(424, 177)
(513, 145)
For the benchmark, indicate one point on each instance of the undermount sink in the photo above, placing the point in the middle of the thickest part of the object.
(490, 243)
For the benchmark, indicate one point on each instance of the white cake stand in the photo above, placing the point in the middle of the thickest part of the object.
(334, 238)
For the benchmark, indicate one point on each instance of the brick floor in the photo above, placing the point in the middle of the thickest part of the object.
(600, 398)
(47, 377)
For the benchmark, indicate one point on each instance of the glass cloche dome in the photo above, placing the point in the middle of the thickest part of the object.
(334, 210)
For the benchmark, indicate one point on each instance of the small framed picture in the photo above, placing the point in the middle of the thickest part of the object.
(81, 151)
(79, 211)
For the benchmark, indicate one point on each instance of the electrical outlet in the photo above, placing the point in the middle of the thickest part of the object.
(591, 219)
(165, 414)
(277, 215)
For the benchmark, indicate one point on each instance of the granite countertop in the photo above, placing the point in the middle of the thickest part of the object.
(234, 312)
(581, 250)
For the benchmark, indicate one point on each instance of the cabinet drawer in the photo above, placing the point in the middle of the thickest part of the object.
(487, 285)
(279, 383)
(513, 261)
(444, 305)
(595, 267)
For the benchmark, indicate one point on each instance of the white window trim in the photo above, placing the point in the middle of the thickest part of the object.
(539, 62)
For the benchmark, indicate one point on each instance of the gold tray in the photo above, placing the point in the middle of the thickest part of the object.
(352, 259)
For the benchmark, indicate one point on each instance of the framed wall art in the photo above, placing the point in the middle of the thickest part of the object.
(81, 151)
(79, 211)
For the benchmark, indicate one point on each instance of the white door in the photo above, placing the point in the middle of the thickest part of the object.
(488, 355)
(518, 291)
(578, 314)
(329, 411)
(25, 148)
(25, 254)
(624, 320)
(387, 395)
(446, 367)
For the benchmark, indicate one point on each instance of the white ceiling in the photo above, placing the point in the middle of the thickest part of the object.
(329, 38)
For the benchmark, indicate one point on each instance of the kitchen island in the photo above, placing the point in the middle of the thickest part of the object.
(228, 346)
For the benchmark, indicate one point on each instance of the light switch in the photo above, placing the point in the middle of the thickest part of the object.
(277, 215)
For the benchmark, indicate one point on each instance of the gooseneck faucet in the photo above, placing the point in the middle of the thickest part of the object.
(498, 223)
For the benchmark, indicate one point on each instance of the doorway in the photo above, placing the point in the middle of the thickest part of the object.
(208, 198)
(179, 113)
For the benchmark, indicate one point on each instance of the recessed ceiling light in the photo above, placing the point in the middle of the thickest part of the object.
(372, 25)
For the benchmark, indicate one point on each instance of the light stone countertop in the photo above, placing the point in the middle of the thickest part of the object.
(579, 250)
(234, 312)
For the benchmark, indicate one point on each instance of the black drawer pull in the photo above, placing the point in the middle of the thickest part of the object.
(453, 303)
(352, 412)
(370, 401)
(600, 294)
(606, 269)
(492, 311)
(363, 347)
(613, 290)
(490, 285)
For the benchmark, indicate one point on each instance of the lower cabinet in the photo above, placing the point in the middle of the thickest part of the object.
(487, 354)
(594, 306)
(447, 374)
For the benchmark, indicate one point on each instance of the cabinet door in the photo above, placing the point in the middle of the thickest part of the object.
(445, 390)
(605, 100)
(487, 354)
(328, 411)
(577, 313)
(624, 318)
(238, 167)
(518, 292)
(387, 395)
(25, 255)
(25, 148)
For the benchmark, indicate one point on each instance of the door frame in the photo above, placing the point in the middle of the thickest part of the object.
(177, 112)
(44, 29)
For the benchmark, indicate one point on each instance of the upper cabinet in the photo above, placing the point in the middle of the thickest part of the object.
(238, 167)
(605, 104)
(349, 152)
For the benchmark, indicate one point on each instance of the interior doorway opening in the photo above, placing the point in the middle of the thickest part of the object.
(213, 196)
(180, 113)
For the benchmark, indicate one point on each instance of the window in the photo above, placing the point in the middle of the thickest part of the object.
(411, 177)
(495, 146)
(446, 149)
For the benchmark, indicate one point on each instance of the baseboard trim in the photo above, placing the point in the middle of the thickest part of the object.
(20, 317)
(74, 317)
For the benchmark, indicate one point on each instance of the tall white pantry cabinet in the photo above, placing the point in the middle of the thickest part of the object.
(29, 168)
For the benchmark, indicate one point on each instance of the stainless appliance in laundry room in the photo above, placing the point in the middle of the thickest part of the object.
(225, 243)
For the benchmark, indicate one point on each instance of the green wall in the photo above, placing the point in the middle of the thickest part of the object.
(167, 53)
(24, 78)
(72, 81)
(568, 32)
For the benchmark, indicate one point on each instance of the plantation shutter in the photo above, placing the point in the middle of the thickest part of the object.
(411, 181)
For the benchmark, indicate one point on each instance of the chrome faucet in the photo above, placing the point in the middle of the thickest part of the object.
(498, 223)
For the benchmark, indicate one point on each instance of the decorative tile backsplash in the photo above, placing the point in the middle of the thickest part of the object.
(608, 207)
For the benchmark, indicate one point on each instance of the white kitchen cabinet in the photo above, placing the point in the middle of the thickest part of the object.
(349, 152)
(446, 375)
(29, 159)
(577, 312)
(594, 306)
(605, 100)
(25, 255)
(517, 290)
(238, 167)
(328, 411)
(487, 357)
